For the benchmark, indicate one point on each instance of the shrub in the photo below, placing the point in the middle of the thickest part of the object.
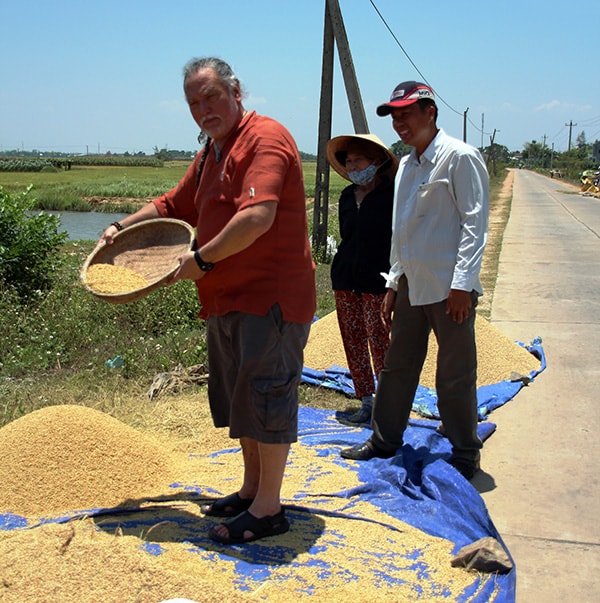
(29, 245)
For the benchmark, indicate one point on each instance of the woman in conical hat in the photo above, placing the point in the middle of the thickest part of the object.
(365, 223)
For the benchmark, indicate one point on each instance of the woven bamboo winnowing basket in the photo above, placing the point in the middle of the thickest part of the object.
(150, 248)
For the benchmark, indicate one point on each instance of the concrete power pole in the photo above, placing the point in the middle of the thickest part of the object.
(334, 32)
(570, 124)
(543, 149)
(482, 119)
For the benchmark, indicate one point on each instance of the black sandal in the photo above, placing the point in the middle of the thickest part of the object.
(261, 527)
(228, 506)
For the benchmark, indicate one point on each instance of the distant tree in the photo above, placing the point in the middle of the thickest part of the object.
(532, 151)
(161, 154)
(596, 151)
(400, 149)
(580, 141)
(499, 151)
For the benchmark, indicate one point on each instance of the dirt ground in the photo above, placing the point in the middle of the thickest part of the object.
(497, 219)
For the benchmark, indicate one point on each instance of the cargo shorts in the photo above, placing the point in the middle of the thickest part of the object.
(255, 365)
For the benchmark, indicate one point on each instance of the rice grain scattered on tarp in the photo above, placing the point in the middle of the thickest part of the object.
(77, 563)
(340, 547)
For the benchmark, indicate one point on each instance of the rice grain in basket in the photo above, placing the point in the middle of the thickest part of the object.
(108, 278)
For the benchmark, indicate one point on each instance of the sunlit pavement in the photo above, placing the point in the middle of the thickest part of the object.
(540, 478)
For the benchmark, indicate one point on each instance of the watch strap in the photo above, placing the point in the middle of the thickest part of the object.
(204, 266)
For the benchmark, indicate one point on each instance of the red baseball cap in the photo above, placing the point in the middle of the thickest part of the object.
(405, 94)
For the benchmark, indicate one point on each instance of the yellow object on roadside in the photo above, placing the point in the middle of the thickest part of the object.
(108, 278)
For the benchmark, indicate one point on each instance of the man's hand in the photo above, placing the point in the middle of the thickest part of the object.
(458, 305)
(387, 307)
(107, 236)
(188, 269)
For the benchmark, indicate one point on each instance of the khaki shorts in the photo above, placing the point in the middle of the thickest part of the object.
(255, 365)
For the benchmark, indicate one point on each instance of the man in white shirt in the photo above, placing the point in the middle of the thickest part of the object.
(439, 233)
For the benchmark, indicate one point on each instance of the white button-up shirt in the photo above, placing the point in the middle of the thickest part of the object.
(440, 220)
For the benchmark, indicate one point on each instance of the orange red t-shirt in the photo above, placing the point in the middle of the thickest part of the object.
(260, 162)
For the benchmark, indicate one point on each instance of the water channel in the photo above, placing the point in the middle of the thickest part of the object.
(84, 225)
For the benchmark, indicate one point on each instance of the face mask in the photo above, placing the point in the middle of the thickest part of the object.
(363, 177)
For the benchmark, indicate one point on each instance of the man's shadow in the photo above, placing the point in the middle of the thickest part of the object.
(173, 519)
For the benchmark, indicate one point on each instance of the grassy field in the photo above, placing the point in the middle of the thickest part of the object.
(75, 189)
(55, 350)
(80, 188)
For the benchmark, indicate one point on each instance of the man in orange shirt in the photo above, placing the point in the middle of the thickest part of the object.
(254, 272)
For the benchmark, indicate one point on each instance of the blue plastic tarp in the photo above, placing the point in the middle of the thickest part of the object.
(489, 397)
(417, 486)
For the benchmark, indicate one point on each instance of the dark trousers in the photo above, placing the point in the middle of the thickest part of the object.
(456, 375)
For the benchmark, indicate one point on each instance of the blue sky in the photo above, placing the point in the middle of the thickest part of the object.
(106, 75)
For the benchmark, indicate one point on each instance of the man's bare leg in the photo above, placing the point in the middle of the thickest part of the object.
(270, 460)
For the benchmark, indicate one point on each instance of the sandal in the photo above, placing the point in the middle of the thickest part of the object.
(228, 506)
(261, 527)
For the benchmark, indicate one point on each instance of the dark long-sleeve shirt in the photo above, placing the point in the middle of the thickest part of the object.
(366, 232)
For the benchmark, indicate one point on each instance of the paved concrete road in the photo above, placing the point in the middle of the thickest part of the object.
(541, 467)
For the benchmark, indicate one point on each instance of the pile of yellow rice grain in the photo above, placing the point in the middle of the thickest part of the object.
(71, 457)
(498, 357)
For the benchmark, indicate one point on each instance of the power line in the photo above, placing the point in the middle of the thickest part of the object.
(591, 122)
(419, 71)
(409, 59)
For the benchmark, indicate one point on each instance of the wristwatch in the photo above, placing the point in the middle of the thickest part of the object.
(204, 266)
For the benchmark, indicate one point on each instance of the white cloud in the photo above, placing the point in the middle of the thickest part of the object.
(564, 106)
(547, 106)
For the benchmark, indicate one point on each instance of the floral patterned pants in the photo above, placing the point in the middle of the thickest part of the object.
(365, 337)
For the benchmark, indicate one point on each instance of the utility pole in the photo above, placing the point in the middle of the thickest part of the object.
(333, 32)
(570, 125)
(465, 124)
(320, 210)
(357, 110)
(543, 148)
(482, 131)
(492, 152)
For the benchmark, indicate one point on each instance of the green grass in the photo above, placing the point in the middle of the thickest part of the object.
(336, 182)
